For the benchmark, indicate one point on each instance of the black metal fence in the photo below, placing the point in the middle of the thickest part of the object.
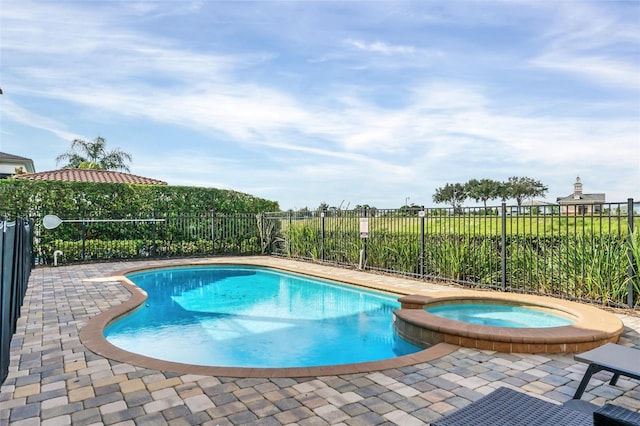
(94, 236)
(575, 253)
(16, 261)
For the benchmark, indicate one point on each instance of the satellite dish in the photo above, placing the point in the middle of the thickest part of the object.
(51, 221)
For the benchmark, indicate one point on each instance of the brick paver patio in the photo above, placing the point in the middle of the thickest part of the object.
(54, 380)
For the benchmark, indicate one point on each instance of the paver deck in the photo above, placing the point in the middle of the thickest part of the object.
(55, 380)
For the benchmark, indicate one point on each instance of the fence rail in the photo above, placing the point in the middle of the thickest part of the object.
(16, 261)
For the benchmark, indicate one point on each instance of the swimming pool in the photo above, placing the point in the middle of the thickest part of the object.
(500, 315)
(248, 316)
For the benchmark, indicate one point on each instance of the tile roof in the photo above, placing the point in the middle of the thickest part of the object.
(90, 175)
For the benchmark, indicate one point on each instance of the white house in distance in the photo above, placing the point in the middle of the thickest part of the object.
(13, 164)
(540, 207)
(579, 203)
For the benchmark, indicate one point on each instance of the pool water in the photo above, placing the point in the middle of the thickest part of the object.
(242, 316)
(500, 315)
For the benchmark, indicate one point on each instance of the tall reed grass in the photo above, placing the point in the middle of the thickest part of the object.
(591, 266)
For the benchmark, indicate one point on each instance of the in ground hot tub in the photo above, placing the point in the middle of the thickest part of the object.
(477, 320)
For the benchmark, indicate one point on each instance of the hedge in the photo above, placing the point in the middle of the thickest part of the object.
(36, 198)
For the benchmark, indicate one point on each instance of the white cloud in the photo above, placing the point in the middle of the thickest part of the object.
(383, 48)
(601, 70)
(594, 42)
(372, 120)
(15, 113)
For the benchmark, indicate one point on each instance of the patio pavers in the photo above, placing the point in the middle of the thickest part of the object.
(54, 380)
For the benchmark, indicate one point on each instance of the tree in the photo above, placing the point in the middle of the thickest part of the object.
(483, 190)
(360, 208)
(93, 155)
(453, 194)
(322, 207)
(409, 210)
(523, 187)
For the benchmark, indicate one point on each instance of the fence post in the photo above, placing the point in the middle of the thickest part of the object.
(289, 239)
(213, 232)
(153, 234)
(31, 240)
(84, 232)
(503, 249)
(264, 238)
(322, 233)
(364, 241)
(631, 270)
(422, 214)
(5, 306)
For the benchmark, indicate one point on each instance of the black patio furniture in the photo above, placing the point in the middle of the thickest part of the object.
(509, 407)
(619, 360)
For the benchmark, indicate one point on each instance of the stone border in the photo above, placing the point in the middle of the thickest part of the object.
(593, 327)
(92, 337)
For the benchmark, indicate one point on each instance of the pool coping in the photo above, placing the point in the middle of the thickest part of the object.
(91, 335)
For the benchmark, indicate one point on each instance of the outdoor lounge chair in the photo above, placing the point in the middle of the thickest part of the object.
(508, 407)
(619, 360)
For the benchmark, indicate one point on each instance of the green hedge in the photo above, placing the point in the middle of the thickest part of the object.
(100, 250)
(191, 218)
(35, 198)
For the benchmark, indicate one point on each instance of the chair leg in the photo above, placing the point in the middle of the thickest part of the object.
(593, 368)
(614, 379)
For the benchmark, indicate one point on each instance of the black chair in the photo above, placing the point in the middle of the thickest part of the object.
(508, 407)
(617, 359)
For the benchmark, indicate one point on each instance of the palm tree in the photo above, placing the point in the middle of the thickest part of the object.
(93, 155)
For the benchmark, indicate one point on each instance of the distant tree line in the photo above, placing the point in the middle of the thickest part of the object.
(455, 194)
(517, 188)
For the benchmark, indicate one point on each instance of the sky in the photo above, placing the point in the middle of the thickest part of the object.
(339, 102)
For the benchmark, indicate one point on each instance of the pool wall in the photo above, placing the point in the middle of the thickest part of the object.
(593, 327)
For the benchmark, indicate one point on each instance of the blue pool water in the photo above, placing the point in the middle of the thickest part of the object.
(500, 315)
(238, 316)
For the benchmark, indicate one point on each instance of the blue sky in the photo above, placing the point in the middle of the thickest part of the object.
(343, 102)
